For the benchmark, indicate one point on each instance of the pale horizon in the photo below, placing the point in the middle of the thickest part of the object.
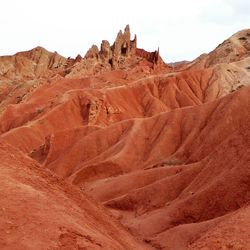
(182, 29)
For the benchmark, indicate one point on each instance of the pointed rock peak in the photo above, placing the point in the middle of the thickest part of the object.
(127, 29)
(93, 52)
(36, 50)
(119, 34)
(38, 53)
(39, 48)
(105, 52)
(77, 59)
(122, 51)
(95, 48)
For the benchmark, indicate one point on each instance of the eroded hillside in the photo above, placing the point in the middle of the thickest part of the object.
(165, 148)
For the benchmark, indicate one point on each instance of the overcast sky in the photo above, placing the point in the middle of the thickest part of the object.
(183, 29)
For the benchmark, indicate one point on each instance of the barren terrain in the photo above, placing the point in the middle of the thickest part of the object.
(119, 150)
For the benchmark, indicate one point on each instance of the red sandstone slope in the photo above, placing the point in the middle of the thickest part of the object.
(164, 148)
(171, 179)
(234, 49)
(39, 211)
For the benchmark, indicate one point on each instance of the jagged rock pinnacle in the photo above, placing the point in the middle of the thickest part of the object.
(122, 49)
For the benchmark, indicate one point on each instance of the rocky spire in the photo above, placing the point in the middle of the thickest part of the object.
(105, 52)
(133, 45)
(122, 49)
(92, 53)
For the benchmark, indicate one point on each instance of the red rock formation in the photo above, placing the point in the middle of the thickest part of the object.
(164, 148)
(40, 211)
(30, 64)
(153, 57)
(122, 51)
(234, 49)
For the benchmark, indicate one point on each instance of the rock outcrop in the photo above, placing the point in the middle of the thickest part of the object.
(123, 54)
(123, 49)
(105, 52)
(153, 57)
(31, 64)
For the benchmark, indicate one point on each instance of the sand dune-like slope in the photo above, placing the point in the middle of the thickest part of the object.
(39, 211)
(181, 175)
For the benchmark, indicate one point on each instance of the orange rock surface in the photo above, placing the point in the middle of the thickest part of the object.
(165, 148)
(40, 211)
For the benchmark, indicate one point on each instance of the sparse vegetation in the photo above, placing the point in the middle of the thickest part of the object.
(243, 38)
(18, 99)
(240, 86)
(39, 110)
